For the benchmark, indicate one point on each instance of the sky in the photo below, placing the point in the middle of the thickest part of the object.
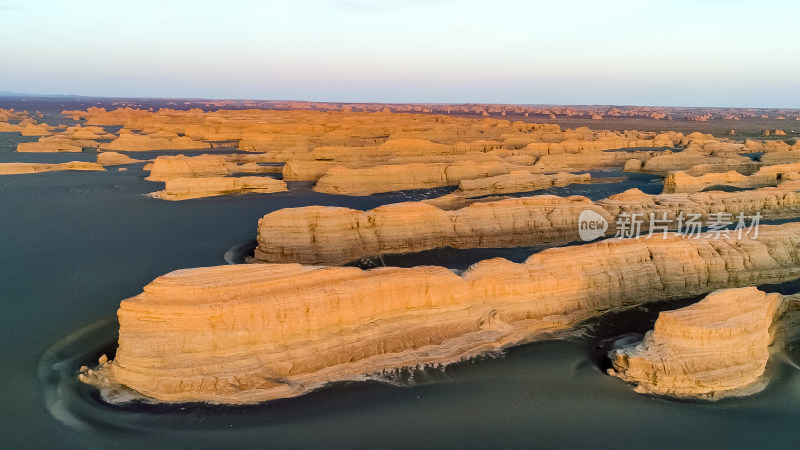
(618, 52)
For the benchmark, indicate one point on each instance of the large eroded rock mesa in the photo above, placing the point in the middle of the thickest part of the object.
(333, 235)
(250, 333)
(714, 347)
(329, 235)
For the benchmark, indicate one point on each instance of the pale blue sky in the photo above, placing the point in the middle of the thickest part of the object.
(662, 52)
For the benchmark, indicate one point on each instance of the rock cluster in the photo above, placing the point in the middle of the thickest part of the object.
(249, 333)
(327, 235)
(332, 235)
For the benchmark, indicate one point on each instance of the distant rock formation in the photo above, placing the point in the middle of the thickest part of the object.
(142, 142)
(694, 156)
(115, 159)
(166, 168)
(41, 129)
(249, 333)
(372, 180)
(715, 347)
(767, 175)
(682, 182)
(48, 147)
(189, 188)
(18, 168)
(513, 182)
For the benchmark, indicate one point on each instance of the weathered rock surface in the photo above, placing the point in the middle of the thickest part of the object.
(188, 188)
(682, 182)
(690, 157)
(326, 235)
(115, 159)
(166, 168)
(515, 181)
(372, 180)
(250, 333)
(712, 348)
(771, 202)
(331, 235)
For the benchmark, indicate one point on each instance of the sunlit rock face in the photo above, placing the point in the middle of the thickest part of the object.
(770, 175)
(386, 178)
(137, 142)
(115, 159)
(516, 181)
(714, 347)
(329, 235)
(249, 333)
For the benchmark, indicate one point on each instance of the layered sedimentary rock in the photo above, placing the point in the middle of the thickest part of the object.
(513, 182)
(712, 348)
(585, 161)
(387, 178)
(295, 170)
(329, 235)
(188, 188)
(332, 235)
(141, 142)
(400, 148)
(690, 157)
(17, 168)
(49, 147)
(770, 202)
(682, 182)
(166, 168)
(250, 333)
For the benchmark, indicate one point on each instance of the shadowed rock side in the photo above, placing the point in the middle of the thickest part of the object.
(712, 348)
(250, 333)
(189, 188)
(328, 235)
(18, 168)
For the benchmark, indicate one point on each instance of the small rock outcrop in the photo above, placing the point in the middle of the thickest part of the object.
(18, 168)
(715, 347)
(188, 188)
